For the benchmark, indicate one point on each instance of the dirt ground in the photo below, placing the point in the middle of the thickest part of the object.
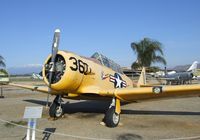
(152, 120)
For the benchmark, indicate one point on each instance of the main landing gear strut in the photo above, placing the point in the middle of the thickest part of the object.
(111, 119)
(56, 109)
(112, 116)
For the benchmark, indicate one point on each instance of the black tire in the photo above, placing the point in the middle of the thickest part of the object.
(111, 118)
(55, 110)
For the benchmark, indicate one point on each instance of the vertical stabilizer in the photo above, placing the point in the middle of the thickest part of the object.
(193, 67)
(142, 79)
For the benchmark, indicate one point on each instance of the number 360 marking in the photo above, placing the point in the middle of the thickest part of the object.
(80, 65)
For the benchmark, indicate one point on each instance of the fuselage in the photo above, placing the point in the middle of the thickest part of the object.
(80, 75)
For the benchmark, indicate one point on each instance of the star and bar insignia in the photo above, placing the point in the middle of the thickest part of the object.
(116, 79)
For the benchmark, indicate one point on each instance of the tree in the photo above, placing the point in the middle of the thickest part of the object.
(148, 52)
(2, 63)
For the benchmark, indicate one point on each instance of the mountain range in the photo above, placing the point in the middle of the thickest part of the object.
(184, 67)
(25, 70)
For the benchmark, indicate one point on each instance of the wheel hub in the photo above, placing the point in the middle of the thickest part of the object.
(115, 118)
(59, 111)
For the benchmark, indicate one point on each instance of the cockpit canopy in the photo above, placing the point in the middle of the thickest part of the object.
(107, 62)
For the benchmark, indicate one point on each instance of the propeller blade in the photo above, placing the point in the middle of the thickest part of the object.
(54, 52)
(55, 45)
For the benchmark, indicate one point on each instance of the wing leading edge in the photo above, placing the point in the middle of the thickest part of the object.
(142, 93)
(43, 89)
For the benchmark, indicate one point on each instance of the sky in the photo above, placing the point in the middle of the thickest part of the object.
(105, 26)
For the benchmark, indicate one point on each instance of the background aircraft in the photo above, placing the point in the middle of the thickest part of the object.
(162, 74)
(181, 77)
(71, 76)
(37, 76)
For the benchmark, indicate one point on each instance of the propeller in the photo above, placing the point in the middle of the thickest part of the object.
(54, 52)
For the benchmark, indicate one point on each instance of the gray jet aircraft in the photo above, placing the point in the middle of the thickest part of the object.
(180, 78)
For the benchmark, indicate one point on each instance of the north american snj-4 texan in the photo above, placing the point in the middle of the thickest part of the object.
(68, 75)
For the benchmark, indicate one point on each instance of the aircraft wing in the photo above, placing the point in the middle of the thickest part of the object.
(142, 93)
(137, 93)
(43, 89)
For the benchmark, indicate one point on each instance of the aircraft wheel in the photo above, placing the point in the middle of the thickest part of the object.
(111, 118)
(55, 110)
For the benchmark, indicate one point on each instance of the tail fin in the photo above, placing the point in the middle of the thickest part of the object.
(193, 67)
(142, 79)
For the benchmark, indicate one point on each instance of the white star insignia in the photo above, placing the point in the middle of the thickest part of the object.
(119, 82)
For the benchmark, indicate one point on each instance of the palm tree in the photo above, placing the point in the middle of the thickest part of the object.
(2, 63)
(148, 52)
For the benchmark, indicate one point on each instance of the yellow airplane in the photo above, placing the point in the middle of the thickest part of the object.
(71, 76)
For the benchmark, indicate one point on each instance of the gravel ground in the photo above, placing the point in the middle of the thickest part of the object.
(152, 120)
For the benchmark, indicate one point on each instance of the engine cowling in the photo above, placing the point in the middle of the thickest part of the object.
(64, 79)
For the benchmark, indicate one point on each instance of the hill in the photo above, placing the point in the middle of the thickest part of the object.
(25, 70)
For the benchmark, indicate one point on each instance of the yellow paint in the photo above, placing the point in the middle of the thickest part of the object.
(117, 106)
(142, 79)
(72, 95)
(75, 82)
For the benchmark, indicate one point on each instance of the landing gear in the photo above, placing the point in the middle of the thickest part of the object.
(112, 116)
(56, 110)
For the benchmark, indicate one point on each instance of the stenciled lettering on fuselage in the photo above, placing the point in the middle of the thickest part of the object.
(116, 79)
(79, 65)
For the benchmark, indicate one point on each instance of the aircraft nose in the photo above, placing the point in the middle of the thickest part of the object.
(60, 66)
